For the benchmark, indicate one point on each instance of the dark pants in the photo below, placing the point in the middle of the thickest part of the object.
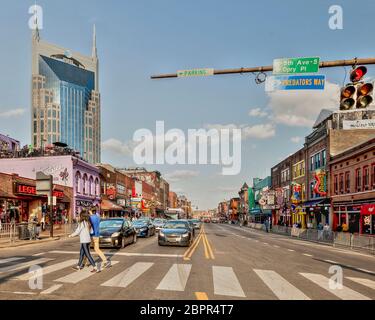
(85, 252)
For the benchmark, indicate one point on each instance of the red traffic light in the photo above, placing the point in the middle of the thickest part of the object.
(357, 74)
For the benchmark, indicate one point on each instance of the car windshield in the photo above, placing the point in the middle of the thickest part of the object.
(158, 221)
(176, 225)
(195, 221)
(105, 224)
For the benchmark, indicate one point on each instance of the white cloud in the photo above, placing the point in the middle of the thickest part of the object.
(302, 107)
(257, 112)
(296, 139)
(259, 131)
(12, 113)
(179, 175)
(116, 146)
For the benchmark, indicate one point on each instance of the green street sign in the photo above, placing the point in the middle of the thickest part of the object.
(195, 73)
(296, 65)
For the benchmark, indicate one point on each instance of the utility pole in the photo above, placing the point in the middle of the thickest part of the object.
(323, 64)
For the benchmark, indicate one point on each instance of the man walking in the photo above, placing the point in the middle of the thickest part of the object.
(95, 222)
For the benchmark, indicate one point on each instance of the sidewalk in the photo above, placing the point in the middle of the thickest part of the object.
(59, 232)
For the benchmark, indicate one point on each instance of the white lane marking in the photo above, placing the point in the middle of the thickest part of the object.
(365, 282)
(38, 254)
(291, 250)
(49, 269)
(127, 254)
(24, 265)
(176, 278)
(3, 261)
(17, 292)
(345, 293)
(276, 246)
(331, 261)
(52, 289)
(279, 286)
(265, 243)
(78, 276)
(126, 277)
(226, 282)
(307, 255)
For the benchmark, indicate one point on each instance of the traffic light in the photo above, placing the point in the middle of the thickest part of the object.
(357, 94)
(347, 94)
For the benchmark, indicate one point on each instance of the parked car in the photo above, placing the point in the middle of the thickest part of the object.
(207, 220)
(176, 232)
(144, 227)
(117, 232)
(158, 223)
(196, 223)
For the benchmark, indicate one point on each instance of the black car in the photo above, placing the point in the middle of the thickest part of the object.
(176, 232)
(117, 232)
(144, 227)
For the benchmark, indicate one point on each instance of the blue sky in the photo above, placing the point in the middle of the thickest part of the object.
(139, 38)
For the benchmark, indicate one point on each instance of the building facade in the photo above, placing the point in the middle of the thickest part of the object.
(8, 145)
(353, 188)
(65, 103)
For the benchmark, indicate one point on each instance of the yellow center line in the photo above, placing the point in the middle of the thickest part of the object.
(189, 252)
(205, 247)
(201, 296)
(209, 248)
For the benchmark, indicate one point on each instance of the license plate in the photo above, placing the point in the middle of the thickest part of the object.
(174, 239)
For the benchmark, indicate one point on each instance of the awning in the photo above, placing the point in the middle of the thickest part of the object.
(107, 205)
(368, 209)
(316, 203)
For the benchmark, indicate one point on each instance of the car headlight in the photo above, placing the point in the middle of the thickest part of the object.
(185, 235)
(115, 235)
(161, 233)
(144, 229)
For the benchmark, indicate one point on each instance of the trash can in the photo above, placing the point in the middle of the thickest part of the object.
(23, 231)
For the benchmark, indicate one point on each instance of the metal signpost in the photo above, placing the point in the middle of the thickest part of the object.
(44, 186)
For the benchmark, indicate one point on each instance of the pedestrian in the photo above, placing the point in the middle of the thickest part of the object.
(95, 234)
(83, 231)
(320, 231)
(43, 221)
(266, 223)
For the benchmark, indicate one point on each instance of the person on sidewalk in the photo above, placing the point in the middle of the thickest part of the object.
(95, 234)
(83, 231)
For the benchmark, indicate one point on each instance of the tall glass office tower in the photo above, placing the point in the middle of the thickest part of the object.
(65, 98)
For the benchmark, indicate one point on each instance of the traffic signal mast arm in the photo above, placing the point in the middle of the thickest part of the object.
(323, 64)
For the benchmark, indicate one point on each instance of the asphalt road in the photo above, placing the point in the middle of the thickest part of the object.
(225, 262)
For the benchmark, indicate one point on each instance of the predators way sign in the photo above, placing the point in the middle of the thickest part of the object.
(303, 82)
(195, 73)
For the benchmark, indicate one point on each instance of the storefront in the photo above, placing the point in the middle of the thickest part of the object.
(367, 220)
(109, 209)
(316, 212)
(347, 214)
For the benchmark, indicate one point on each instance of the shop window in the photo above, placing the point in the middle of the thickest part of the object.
(78, 182)
(335, 184)
(312, 164)
(366, 178)
(324, 158)
(347, 182)
(91, 184)
(84, 184)
(358, 184)
(341, 182)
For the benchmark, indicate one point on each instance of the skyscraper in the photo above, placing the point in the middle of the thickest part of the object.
(65, 98)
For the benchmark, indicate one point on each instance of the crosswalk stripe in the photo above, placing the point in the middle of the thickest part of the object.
(52, 289)
(49, 269)
(78, 276)
(23, 265)
(126, 277)
(176, 278)
(3, 261)
(226, 282)
(345, 293)
(365, 282)
(279, 286)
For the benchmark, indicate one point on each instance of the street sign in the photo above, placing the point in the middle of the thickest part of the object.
(359, 124)
(195, 73)
(296, 65)
(307, 82)
(44, 184)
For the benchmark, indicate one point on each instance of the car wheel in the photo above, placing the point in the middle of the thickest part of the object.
(135, 238)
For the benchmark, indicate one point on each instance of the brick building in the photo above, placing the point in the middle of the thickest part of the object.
(353, 187)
